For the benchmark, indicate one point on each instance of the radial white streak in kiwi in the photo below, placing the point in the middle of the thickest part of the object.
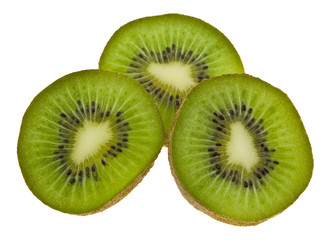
(191, 46)
(122, 166)
(175, 74)
(227, 189)
(197, 162)
(136, 146)
(116, 105)
(89, 139)
(69, 105)
(220, 186)
(240, 148)
(44, 141)
(45, 128)
(53, 122)
(201, 178)
(59, 177)
(115, 170)
(107, 173)
(164, 112)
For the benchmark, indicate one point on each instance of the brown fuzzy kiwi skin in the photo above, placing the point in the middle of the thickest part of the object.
(196, 204)
(123, 193)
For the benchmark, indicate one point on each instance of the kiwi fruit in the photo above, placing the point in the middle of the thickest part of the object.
(239, 151)
(87, 140)
(169, 55)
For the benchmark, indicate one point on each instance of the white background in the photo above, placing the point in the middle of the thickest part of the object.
(283, 42)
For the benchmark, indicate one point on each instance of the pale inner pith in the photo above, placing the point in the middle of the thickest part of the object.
(240, 148)
(174, 74)
(89, 140)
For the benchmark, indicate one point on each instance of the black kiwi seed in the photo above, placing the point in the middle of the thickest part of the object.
(96, 177)
(68, 172)
(214, 120)
(250, 183)
(87, 172)
(231, 112)
(118, 114)
(215, 154)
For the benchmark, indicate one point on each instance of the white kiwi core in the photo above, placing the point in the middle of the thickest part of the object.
(89, 139)
(174, 74)
(241, 148)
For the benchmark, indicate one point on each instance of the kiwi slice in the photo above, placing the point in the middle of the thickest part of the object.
(87, 140)
(168, 55)
(239, 151)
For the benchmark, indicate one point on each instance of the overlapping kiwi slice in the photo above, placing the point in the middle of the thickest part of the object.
(169, 55)
(87, 140)
(239, 151)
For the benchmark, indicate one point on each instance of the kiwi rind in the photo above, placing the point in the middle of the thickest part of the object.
(47, 92)
(236, 65)
(199, 206)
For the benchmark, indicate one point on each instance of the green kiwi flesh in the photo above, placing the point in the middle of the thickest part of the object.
(87, 140)
(239, 151)
(168, 55)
